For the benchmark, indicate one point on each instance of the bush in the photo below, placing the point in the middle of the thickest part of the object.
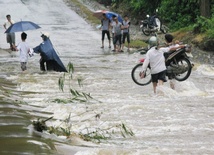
(201, 25)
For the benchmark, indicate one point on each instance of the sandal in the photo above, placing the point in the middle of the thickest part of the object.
(102, 47)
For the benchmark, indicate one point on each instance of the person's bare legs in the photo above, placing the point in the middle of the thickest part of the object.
(160, 82)
(172, 85)
(128, 46)
(122, 46)
(154, 86)
(109, 43)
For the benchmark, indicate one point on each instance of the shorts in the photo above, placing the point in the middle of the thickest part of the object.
(117, 38)
(124, 37)
(24, 66)
(10, 38)
(159, 76)
(107, 33)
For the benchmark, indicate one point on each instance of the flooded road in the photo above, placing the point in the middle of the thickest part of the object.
(176, 121)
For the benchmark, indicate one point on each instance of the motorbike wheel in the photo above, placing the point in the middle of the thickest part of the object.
(185, 63)
(164, 29)
(136, 75)
(158, 22)
(146, 30)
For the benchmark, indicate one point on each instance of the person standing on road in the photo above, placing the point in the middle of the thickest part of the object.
(105, 22)
(24, 51)
(10, 37)
(112, 28)
(117, 34)
(126, 25)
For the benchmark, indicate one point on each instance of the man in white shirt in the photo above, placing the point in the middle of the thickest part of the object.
(10, 36)
(156, 59)
(24, 50)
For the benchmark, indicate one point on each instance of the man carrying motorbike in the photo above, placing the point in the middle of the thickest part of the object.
(156, 59)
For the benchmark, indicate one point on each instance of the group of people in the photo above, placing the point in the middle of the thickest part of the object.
(49, 58)
(120, 32)
(155, 58)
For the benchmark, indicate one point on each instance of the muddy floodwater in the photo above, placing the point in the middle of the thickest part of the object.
(176, 121)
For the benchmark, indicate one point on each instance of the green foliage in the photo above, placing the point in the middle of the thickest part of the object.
(201, 25)
(61, 82)
(210, 30)
(204, 26)
(94, 134)
(125, 131)
(61, 100)
(98, 134)
(76, 96)
(175, 13)
(179, 13)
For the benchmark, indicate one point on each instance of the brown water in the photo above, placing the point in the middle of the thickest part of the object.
(16, 132)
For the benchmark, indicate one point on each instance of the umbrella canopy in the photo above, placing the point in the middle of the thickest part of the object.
(22, 26)
(99, 13)
(109, 15)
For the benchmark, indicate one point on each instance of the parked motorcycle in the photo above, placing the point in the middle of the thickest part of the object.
(152, 25)
(178, 66)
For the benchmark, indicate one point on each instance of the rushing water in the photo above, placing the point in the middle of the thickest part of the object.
(176, 121)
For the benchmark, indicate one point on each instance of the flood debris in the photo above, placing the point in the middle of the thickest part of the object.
(40, 125)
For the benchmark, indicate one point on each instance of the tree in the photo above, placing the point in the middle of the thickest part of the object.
(205, 8)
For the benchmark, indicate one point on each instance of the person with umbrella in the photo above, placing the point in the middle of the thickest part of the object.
(10, 36)
(49, 56)
(105, 22)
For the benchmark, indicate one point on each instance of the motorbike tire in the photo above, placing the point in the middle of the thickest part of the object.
(159, 23)
(164, 29)
(187, 73)
(144, 28)
(136, 75)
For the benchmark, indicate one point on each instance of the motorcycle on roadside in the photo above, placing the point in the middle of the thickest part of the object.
(178, 66)
(152, 24)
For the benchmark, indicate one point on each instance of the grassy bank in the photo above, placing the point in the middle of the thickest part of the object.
(83, 11)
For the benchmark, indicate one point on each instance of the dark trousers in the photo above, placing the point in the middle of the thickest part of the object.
(126, 35)
(42, 64)
(107, 33)
(49, 65)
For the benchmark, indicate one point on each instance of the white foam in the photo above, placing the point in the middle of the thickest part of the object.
(207, 70)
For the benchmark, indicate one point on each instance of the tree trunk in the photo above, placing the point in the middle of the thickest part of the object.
(205, 8)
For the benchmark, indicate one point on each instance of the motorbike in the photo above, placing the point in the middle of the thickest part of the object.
(178, 66)
(152, 25)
